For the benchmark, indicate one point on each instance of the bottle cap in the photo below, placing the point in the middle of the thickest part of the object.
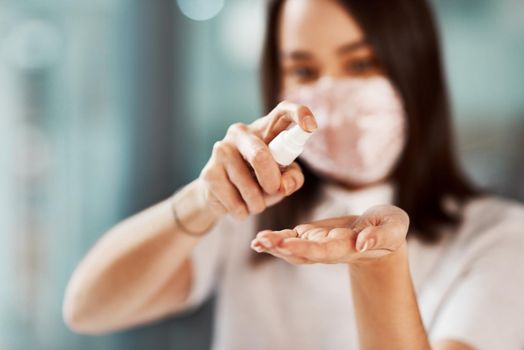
(297, 135)
(288, 145)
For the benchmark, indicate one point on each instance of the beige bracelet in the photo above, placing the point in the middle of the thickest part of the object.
(179, 224)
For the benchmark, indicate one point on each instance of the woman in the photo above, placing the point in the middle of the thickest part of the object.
(365, 77)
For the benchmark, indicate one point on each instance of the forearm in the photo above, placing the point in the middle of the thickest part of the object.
(385, 304)
(132, 263)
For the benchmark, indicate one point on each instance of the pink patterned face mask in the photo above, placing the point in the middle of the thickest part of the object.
(361, 130)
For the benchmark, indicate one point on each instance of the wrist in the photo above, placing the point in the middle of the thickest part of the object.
(383, 263)
(191, 210)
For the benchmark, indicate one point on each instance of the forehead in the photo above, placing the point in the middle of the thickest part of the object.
(316, 25)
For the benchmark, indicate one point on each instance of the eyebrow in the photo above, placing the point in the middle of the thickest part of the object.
(352, 46)
(306, 55)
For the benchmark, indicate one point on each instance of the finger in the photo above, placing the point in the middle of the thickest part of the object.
(224, 191)
(367, 239)
(339, 232)
(257, 154)
(229, 197)
(383, 214)
(293, 112)
(278, 252)
(213, 202)
(238, 173)
(302, 228)
(295, 260)
(316, 233)
(292, 179)
(270, 239)
(369, 243)
(381, 227)
(325, 250)
(281, 116)
(378, 238)
(340, 221)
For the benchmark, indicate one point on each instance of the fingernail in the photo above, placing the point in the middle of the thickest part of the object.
(368, 244)
(258, 249)
(310, 123)
(265, 242)
(289, 185)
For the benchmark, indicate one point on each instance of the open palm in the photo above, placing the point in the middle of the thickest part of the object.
(380, 231)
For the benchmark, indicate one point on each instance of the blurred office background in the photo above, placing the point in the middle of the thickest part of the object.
(107, 106)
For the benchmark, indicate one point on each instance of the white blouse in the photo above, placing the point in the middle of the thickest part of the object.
(470, 285)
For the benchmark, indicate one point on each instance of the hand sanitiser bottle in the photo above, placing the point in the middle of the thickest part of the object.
(288, 145)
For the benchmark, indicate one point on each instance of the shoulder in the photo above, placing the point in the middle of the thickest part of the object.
(491, 225)
(480, 278)
(493, 212)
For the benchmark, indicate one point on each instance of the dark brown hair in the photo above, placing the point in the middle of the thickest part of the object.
(404, 38)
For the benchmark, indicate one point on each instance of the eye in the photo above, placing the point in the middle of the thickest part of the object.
(303, 73)
(361, 66)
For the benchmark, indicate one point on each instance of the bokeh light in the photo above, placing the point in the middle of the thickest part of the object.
(200, 10)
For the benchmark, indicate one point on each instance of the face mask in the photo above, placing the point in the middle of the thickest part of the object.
(361, 131)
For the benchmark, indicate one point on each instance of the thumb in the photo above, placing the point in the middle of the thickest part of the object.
(377, 238)
(292, 179)
(366, 239)
(381, 228)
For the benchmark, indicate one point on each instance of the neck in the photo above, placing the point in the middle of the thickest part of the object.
(355, 186)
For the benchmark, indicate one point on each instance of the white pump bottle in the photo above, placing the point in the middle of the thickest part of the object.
(288, 145)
